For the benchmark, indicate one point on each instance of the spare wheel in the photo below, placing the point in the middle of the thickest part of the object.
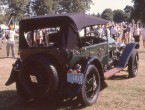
(38, 78)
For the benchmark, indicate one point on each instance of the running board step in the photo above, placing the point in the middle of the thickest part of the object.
(112, 72)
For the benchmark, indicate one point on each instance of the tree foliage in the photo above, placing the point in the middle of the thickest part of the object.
(2, 18)
(23, 8)
(108, 14)
(68, 6)
(129, 11)
(18, 7)
(139, 10)
(119, 16)
(38, 7)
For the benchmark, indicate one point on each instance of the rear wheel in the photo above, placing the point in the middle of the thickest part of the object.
(37, 79)
(91, 86)
(133, 64)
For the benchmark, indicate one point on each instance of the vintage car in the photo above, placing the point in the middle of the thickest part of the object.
(67, 59)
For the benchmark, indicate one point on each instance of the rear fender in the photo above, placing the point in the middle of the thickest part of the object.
(95, 61)
(14, 72)
(75, 88)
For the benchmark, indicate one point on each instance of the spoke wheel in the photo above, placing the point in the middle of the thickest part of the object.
(38, 79)
(91, 86)
(133, 64)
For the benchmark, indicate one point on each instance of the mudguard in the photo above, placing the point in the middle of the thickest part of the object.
(75, 88)
(14, 72)
(93, 60)
(123, 61)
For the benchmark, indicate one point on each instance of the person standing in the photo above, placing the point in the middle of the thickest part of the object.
(128, 32)
(1, 38)
(99, 31)
(113, 32)
(119, 33)
(143, 36)
(124, 34)
(106, 31)
(10, 34)
(136, 33)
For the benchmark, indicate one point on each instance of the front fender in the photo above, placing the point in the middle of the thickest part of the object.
(14, 72)
(123, 61)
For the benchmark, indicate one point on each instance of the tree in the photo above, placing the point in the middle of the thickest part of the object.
(73, 6)
(18, 7)
(2, 18)
(27, 8)
(38, 7)
(107, 14)
(139, 10)
(98, 15)
(119, 16)
(51, 6)
(3, 2)
(129, 10)
(41, 7)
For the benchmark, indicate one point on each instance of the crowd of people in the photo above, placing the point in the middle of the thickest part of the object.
(120, 32)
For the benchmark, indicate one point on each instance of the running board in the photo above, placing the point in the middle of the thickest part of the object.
(112, 72)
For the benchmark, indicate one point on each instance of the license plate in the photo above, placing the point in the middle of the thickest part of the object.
(75, 78)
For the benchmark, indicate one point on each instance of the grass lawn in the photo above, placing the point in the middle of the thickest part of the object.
(120, 93)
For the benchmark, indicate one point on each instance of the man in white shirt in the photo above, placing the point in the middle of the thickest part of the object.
(136, 34)
(106, 31)
(10, 41)
(113, 32)
(99, 31)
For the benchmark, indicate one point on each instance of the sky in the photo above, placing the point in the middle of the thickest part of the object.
(100, 5)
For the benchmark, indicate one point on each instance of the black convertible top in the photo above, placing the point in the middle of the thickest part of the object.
(70, 24)
(77, 20)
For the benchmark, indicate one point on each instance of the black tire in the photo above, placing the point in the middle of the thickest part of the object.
(38, 79)
(133, 64)
(22, 93)
(91, 86)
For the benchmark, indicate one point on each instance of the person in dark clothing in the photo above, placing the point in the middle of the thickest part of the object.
(124, 34)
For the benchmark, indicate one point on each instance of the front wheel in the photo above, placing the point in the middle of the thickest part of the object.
(91, 86)
(133, 64)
